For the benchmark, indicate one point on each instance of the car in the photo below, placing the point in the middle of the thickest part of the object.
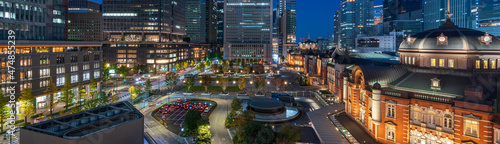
(207, 109)
(177, 106)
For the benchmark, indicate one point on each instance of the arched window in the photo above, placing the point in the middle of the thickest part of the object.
(448, 121)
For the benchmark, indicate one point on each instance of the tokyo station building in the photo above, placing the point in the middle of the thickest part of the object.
(444, 90)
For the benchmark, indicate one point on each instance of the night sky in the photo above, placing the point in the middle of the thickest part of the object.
(314, 17)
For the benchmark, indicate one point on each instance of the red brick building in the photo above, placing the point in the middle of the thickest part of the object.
(445, 90)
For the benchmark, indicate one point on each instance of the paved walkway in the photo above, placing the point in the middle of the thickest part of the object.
(355, 129)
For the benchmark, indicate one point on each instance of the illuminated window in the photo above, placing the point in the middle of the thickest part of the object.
(58, 49)
(478, 64)
(433, 62)
(493, 64)
(413, 60)
(471, 127)
(406, 60)
(451, 63)
(441, 62)
(435, 83)
(485, 64)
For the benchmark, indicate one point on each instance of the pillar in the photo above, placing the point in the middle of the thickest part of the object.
(376, 98)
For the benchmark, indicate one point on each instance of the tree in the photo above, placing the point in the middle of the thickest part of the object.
(224, 83)
(191, 119)
(206, 81)
(148, 85)
(246, 69)
(225, 66)
(204, 135)
(214, 67)
(93, 86)
(27, 101)
(288, 134)
(189, 80)
(278, 83)
(177, 66)
(91, 104)
(192, 63)
(171, 79)
(208, 62)
(81, 94)
(123, 71)
(4, 109)
(68, 94)
(50, 91)
(237, 69)
(260, 82)
(200, 67)
(242, 83)
(236, 105)
(133, 92)
(257, 133)
(184, 64)
(105, 71)
(135, 68)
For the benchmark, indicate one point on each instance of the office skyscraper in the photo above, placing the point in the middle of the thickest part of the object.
(248, 29)
(195, 21)
(201, 21)
(336, 28)
(378, 15)
(434, 13)
(286, 19)
(211, 21)
(220, 22)
(394, 7)
(356, 18)
(34, 20)
(486, 16)
(84, 21)
(147, 33)
(395, 15)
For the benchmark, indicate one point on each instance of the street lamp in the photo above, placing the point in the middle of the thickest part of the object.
(251, 82)
(217, 82)
(286, 83)
(268, 82)
(234, 82)
(201, 81)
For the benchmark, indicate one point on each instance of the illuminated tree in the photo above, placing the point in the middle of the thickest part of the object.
(50, 91)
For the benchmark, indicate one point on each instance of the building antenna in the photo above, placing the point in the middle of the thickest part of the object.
(308, 35)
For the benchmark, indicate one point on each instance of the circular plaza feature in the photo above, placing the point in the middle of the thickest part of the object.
(265, 105)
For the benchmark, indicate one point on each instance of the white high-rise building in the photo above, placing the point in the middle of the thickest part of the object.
(248, 29)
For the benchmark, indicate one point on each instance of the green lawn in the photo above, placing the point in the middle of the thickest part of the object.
(210, 88)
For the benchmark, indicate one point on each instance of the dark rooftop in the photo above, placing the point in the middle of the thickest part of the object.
(88, 122)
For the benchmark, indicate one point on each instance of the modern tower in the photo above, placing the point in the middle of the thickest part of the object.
(220, 22)
(486, 16)
(286, 19)
(248, 29)
(146, 33)
(84, 21)
(434, 13)
(34, 20)
(195, 21)
(356, 18)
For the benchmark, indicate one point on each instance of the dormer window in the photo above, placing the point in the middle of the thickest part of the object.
(435, 84)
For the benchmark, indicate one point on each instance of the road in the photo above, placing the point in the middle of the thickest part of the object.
(220, 135)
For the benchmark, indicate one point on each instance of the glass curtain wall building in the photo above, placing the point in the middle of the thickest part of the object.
(248, 29)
